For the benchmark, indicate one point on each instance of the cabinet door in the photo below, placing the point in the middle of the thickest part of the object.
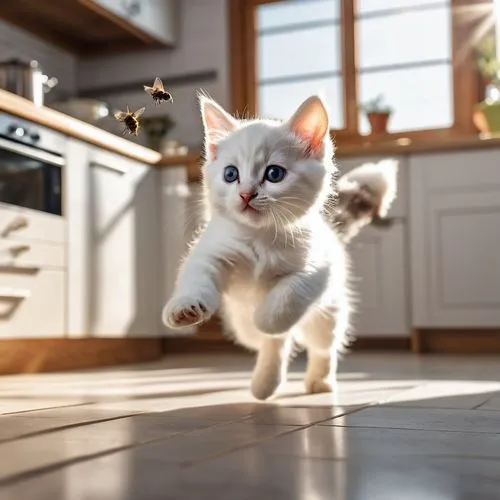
(379, 282)
(455, 237)
(154, 18)
(175, 221)
(113, 254)
(380, 260)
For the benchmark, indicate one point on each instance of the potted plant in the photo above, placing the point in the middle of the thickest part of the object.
(378, 114)
(487, 113)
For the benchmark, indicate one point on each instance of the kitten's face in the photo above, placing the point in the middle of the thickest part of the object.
(265, 174)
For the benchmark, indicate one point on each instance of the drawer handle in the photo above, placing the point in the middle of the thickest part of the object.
(17, 250)
(15, 225)
(18, 268)
(14, 294)
(14, 297)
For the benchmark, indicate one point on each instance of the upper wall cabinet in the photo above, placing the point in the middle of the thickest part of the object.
(91, 27)
(152, 19)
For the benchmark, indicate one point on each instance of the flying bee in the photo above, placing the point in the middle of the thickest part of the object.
(158, 92)
(131, 120)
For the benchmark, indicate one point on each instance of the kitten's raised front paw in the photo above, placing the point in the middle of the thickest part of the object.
(319, 385)
(186, 311)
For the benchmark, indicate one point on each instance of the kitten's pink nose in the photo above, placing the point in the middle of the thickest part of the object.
(247, 197)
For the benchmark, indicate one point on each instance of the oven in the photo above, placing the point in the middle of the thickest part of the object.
(31, 162)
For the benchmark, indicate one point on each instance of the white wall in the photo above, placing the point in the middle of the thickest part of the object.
(201, 46)
(16, 43)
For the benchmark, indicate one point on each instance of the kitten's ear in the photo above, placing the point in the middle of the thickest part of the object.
(310, 124)
(217, 124)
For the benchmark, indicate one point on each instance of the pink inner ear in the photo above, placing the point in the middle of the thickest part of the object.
(310, 123)
(310, 131)
(212, 149)
(218, 124)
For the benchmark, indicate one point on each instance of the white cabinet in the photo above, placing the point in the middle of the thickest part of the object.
(455, 239)
(175, 219)
(154, 18)
(380, 267)
(379, 282)
(32, 274)
(113, 245)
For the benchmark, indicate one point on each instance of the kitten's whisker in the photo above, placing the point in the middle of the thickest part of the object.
(275, 226)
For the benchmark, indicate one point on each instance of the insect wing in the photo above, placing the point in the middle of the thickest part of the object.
(139, 112)
(120, 115)
(158, 84)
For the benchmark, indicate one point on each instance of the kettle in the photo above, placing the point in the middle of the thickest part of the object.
(26, 80)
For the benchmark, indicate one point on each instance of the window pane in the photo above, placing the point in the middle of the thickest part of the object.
(281, 100)
(299, 52)
(422, 98)
(405, 38)
(366, 6)
(274, 15)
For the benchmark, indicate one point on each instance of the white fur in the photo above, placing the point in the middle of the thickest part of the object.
(280, 273)
(380, 178)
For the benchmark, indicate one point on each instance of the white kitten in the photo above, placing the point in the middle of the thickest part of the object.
(268, 255)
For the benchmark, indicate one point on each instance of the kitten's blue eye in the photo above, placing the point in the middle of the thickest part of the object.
(274, 173)
(231, 173)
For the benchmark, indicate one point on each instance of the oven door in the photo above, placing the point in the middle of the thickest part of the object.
(30, 177)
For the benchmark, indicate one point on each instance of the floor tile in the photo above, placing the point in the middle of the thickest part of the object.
(344, 442)
(297, 416)
(421, 419)
(249, 474)
(13, 405)
(491, 404)
(47, 450)
(22, 424)
(447, 394)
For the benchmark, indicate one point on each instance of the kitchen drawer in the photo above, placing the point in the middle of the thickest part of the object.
(32, 306)
(21, 223)
(30, 255)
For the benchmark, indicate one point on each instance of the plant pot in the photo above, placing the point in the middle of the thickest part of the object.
(487, 118)
(378, 122)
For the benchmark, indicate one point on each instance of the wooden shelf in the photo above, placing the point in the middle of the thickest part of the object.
(80, 27)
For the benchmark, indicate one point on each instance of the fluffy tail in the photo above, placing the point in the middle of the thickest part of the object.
(365, 195)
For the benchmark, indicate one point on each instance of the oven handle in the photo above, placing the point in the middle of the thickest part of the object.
(36, 154)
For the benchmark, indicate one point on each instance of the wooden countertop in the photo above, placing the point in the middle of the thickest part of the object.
(402, 146)
(18, 106)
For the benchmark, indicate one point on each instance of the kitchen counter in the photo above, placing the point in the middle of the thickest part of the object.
(18, 106)
(404, 145)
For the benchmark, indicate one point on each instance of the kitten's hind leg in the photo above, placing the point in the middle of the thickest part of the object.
(323, 334)
(321, 371)
(272, 364)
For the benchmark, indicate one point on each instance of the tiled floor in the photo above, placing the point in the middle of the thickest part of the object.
(399, 428)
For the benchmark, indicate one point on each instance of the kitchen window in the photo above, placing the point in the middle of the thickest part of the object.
(417, 53)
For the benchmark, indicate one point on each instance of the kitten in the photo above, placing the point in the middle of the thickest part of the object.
(365, 195)
(268, 254)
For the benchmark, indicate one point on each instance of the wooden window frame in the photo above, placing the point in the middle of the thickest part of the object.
(466, 81)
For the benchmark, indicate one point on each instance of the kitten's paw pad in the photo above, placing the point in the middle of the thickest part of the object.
(186, 311)
(319, 386)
